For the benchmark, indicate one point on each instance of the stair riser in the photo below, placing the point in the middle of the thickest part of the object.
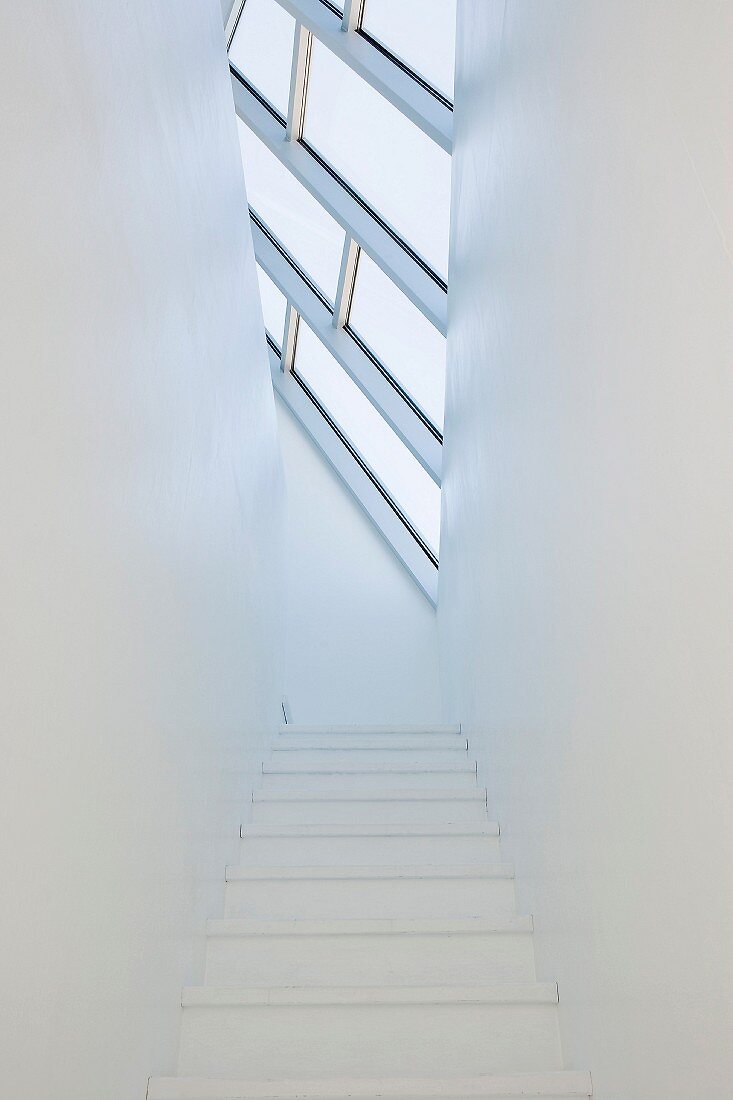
(365, 812)
(369, 959)
(329, 759)
(333, 1040)
(337, 899)
(376, 781)
(362, 851)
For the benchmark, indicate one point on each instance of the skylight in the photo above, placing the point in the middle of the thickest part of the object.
(421, 33)
(346, 129)
(263, 47)
(311, 237)
(399, 335)
(395, 467)
(402, 174)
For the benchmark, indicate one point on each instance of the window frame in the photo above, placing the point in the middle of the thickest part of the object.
(364, 230)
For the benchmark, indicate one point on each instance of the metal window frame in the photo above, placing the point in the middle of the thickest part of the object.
(374, 380)
(299, 69)
(397, 259)
(343, 456)
(363, 229)
(346, 282)
(412, 73)
(355, 473)
(353, 15)
(404, 88)
(232, 14)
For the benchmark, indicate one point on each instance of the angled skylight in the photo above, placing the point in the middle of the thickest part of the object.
(421, 33)
(398, 470)
(346, 133)
(262, 48)
(400, 336)
(402, 174)
(291, 213)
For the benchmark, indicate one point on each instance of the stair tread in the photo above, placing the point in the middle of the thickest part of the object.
(241, 872)
(490, 829)
(363, 794)
(376, 742)
(225, 1029)
(240, 926)
(558, 1083)
(493, 993)
(292, 768)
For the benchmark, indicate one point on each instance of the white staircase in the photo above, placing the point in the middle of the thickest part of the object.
(370, 946)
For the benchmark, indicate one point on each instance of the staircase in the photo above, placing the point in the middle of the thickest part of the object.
(370, 946)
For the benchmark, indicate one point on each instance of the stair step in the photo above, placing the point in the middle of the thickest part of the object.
(382, 776)
(499, 993)
(469, 926)
(562, 1085)
(362, 806)
(367, 844)
(324, 874)
(342, 893)
(364, 952)
(353, 742)
(503, 992)
(370, 731)
(359, 755)
(491, 828)
(370, 929)
(351, 1031)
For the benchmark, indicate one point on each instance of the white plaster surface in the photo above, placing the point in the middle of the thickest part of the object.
(141, 499)
(587, 538)
(361, 640)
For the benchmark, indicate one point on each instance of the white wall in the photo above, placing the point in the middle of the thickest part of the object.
(361, 640)
(586, 586)
(141, 494)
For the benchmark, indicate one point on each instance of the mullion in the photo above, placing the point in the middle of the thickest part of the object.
(354, 336)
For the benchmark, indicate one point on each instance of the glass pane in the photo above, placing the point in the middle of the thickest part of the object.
(400, 172)
(422, 33)
(411, 349)
(263, 49)
(311, 235)
(274, 305)
(396, 468)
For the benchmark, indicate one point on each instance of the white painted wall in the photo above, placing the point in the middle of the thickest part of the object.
(586, 587)
(361, 639)
(141, 496)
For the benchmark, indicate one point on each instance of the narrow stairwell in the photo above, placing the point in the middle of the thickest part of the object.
(370, 945)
